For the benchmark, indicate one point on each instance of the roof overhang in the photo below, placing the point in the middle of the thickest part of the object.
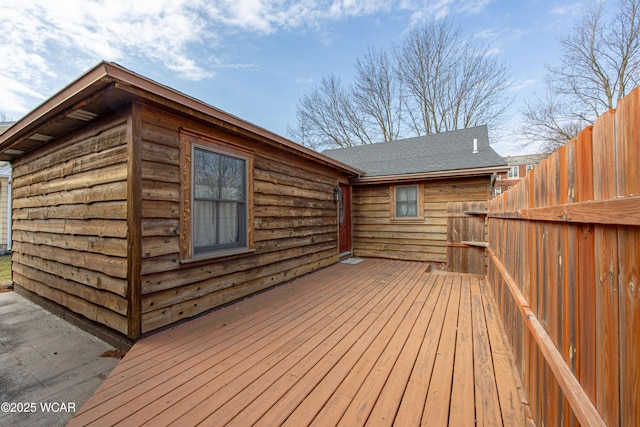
(388, 179)
(109, 87)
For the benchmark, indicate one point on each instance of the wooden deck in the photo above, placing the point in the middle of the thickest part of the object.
(378, 343)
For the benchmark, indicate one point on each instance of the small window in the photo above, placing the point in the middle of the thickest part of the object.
(529, 167)
(513, 171)
(407, 202)
(497, 191)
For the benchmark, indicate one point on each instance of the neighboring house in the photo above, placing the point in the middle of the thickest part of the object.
(5, 200)
(519, 166)
(136, 206)
(400, 204)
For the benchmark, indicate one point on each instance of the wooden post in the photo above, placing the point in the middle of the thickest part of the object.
(134, 220)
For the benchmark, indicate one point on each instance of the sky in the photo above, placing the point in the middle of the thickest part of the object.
(256, 58)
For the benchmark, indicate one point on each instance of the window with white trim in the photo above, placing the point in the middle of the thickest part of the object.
(513, 171)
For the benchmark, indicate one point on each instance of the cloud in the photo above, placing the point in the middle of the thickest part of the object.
(22, 77)
(50, 42)
(524, 84)
(570, 9)
(428, 9)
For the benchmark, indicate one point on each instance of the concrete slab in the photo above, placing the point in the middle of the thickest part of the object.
(48, 367)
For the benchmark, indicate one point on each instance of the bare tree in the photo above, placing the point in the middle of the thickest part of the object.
(330, 117)
(333, 115)
(377, 93)
(434, 82)
(302, 132)
(600, 64)
(553, 125)
(449, 82)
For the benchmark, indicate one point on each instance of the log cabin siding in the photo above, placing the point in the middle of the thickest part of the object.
(294, 228)
(69, 222)
(377, 234)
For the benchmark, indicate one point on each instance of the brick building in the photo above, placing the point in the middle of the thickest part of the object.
(519, 166)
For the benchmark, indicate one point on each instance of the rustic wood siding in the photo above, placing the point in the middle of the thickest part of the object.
(69, 222)
(294, 226)
(376, 234)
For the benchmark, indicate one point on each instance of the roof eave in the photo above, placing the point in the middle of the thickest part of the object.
(428, 175)
(61, 100)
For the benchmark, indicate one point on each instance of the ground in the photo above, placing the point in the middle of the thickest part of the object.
(45, 360)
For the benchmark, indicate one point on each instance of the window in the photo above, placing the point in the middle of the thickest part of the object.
(529, 167)
(513, 171)
(215, 196)
(219, 201)
(407, 202)
(497, 191)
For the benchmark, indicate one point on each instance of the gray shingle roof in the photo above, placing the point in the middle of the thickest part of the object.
(432, 153)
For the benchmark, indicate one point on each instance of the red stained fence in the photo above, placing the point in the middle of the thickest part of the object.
(564, 266)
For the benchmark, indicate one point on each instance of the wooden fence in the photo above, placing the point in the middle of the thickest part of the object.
(564, 266)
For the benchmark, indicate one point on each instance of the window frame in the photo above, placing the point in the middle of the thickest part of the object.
(189, 142)
(512, 175)
(419, 202)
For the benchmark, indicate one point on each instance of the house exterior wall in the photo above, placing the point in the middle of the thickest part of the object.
(378, 234)
(293, 232)
(69, 222)
(97, 223)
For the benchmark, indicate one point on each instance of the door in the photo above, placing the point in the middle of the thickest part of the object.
(344, 218)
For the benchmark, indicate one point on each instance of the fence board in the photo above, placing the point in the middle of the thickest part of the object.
(607, 363)
(629, 256)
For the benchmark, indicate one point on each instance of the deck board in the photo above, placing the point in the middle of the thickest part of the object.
(381, 342)
(462, 411)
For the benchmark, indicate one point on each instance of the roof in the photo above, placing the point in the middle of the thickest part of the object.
(447, 153)
(527, 159)
(108, 87)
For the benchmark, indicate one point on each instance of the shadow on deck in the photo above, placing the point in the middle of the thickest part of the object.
(380, 342)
